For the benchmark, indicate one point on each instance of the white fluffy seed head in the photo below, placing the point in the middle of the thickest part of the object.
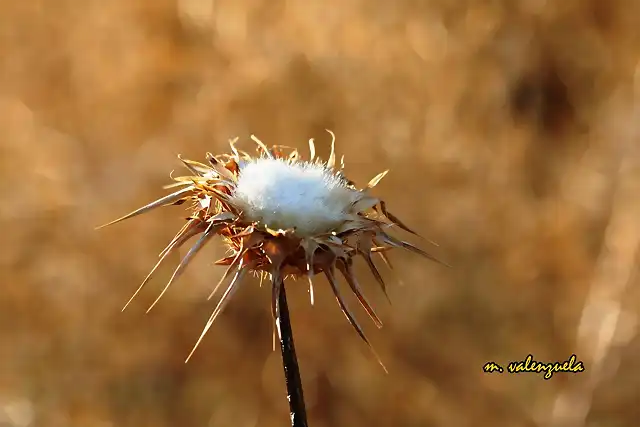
(281, 195)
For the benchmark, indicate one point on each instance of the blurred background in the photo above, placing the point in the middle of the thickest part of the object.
(511, 131)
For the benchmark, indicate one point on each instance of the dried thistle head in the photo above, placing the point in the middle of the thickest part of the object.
(281, 216)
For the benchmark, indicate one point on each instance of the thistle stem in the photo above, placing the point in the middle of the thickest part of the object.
(290, 363)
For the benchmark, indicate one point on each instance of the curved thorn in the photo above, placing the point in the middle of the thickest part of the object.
(376, 273)
(171, 198)
(185, 261)
(376, 179)
(312, 150)
(332, 157)
(408, 246)
(188, 229)
(233, 286)
(232, 144)
(347, 273)
(349, 316)
(146, 279)
(182, 236)
(237, 260)
(264, 148)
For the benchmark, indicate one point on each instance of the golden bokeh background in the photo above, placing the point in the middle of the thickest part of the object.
(511, 130)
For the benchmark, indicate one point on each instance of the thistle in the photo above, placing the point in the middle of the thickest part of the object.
(281, 216)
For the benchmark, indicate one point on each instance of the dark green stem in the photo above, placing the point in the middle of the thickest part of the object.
(290, 364)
